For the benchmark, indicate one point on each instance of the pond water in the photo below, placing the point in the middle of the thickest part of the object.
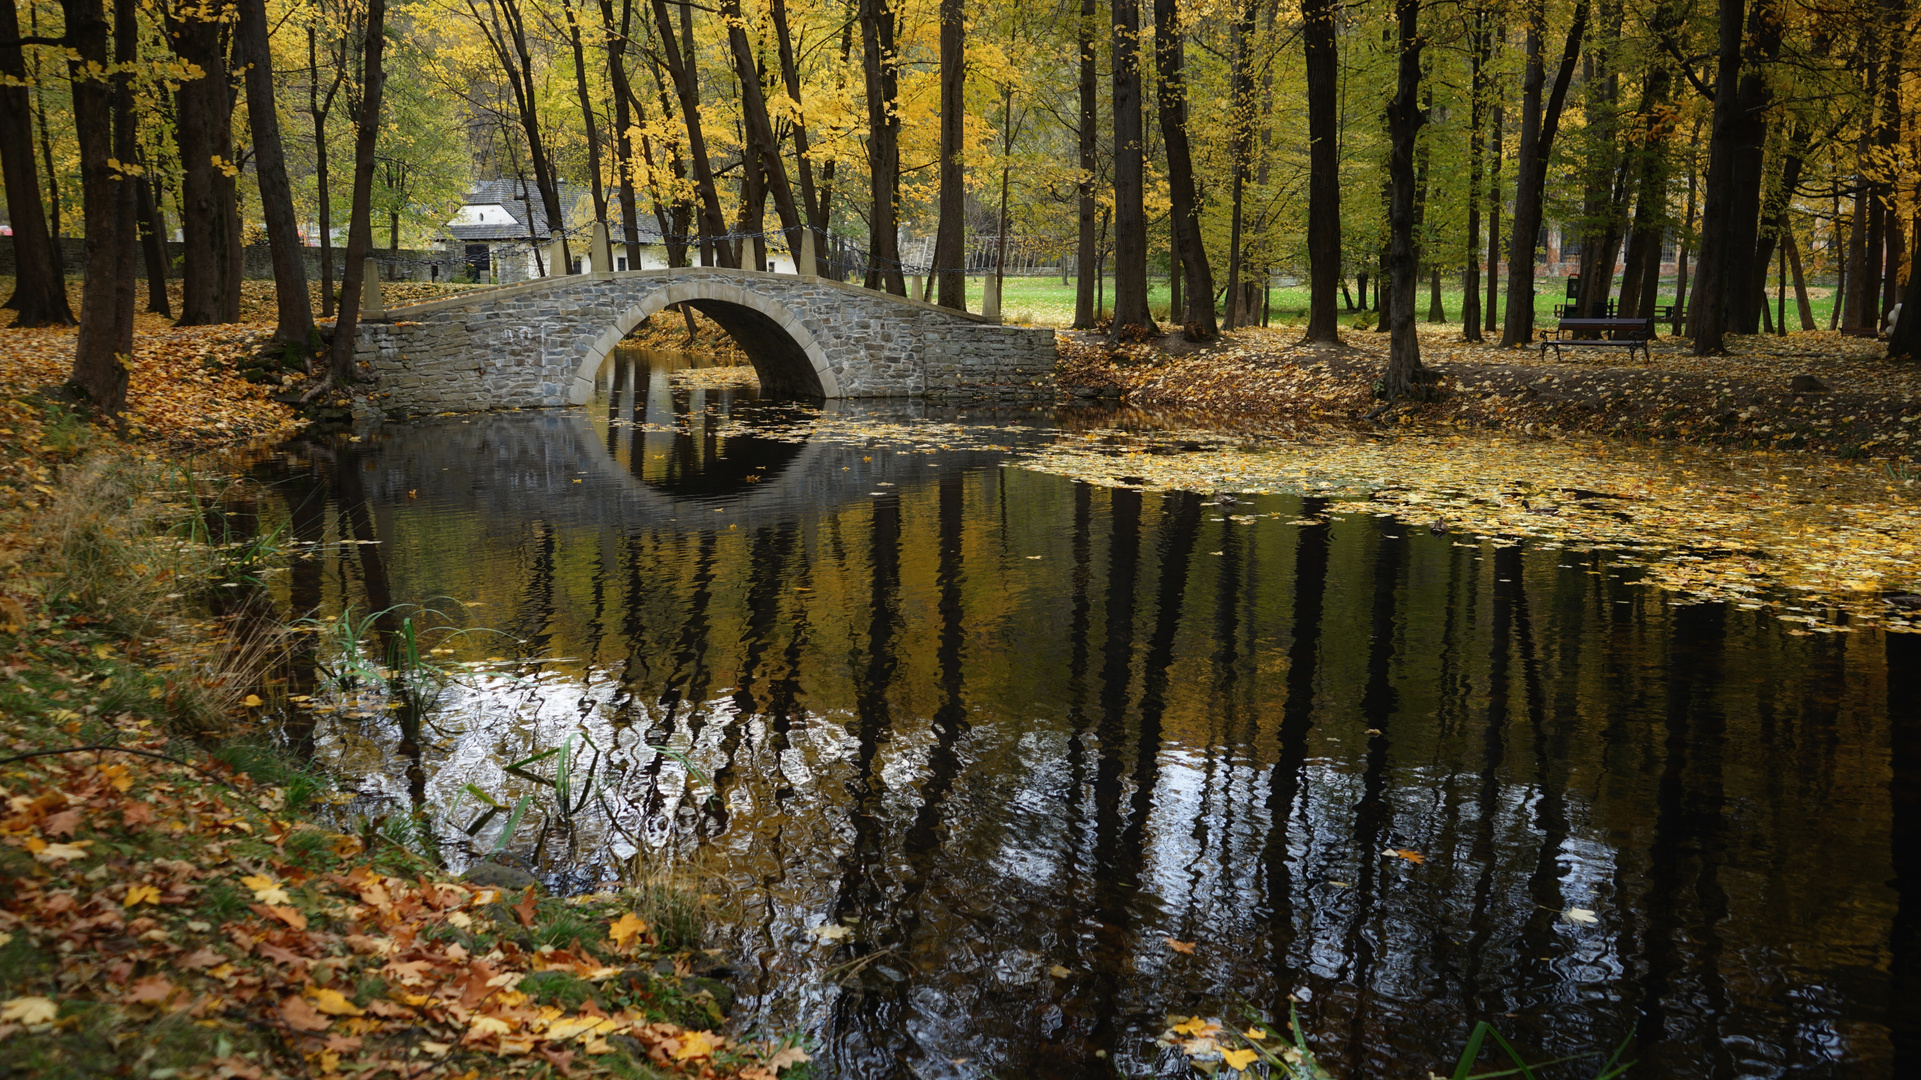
(1008, 739)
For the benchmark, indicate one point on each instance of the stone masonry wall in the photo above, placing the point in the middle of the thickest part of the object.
(524, 346)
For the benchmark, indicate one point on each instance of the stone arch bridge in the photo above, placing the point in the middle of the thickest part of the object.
(541, 343)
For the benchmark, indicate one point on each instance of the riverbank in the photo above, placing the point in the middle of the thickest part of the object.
(1818, 392)
(180, 899)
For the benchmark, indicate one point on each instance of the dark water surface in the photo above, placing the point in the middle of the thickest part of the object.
(995, 722)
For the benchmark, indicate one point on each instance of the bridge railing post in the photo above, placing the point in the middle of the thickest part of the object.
(371, 305)
(806, 263)
(602, 251)
(557, 257)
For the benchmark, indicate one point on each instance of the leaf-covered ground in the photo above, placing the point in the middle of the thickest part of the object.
(172, 907)
(1864, 406)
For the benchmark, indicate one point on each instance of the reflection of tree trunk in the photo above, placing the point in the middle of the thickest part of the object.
(1904, 834)
(1688, 806)
(864, 870)
(1372, 814)
(1297, 721)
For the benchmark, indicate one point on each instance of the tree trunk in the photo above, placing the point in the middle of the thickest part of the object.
(1404, 119)
(318, 107)
(1322, 61)
(209, 207)
(623, 118)
(1481, 45)
(1537, 145)
(1802, 306)
(153, 243)
(99, 108)
(1708, 322)
(1184, 223)
(760, 132)
(1130, 212)
(360, 220)
(813, 207)
(680, 67)
(1242, 81)
(1905, 342)
(880, 63)
(39, 289)
(295, 307)
(508, 39)
(950, 236)
(1491, 315)
(1681, 320)
(1087, 253)
(586, 114)
(1744, 257)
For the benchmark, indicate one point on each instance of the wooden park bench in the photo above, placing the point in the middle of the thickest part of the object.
(1629, 334)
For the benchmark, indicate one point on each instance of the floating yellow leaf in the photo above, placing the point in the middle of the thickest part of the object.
(252, 701)
(1239, 1060)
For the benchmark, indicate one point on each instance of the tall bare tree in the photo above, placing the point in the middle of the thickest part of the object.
(360, 219)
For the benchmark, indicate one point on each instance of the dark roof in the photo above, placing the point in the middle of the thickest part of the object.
(508, 194)
(519, 199)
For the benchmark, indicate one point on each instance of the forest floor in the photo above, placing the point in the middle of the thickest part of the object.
(1856, 405)
(178, 898)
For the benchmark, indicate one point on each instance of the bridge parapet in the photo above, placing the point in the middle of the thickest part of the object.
(540, 343)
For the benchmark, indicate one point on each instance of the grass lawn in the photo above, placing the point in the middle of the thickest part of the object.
(1045, 301)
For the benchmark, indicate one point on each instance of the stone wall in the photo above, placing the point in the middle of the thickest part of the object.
(541, 343)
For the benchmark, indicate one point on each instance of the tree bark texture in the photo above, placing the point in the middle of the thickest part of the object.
(295, 307)
(680, 68)
(950, 236)
(1538, 129)
(1491, 315)
(153, 244)
(881, 65)
(616, 38)
(99, 374)
(1130, 166)
(1087, 245)
(588, 123)
(360, 219)
(1322, 62)
(1404, 119)
(1707, 322)
(39, 287)
(209, 205)
(1183, 213)
(760, 133)
(1480, 45)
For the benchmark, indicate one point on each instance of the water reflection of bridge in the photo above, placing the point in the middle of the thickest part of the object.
(648, 450)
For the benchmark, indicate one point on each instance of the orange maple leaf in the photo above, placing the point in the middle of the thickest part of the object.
(1183, 947)
(300, 1014)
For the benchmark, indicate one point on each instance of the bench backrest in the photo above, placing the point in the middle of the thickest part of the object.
(1620, 328)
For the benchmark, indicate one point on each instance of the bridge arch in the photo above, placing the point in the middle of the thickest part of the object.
(785, 354)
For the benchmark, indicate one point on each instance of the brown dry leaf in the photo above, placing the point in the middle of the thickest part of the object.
(524, 911)
(300, 1014)
(1184, 947)
(152, 990)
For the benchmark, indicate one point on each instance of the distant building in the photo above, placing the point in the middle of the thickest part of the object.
(501, 223)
